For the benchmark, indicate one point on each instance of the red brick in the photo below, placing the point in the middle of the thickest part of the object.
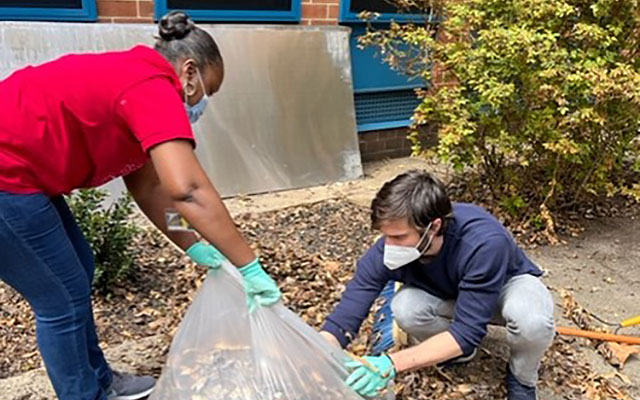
(132, 20)
(305, 22)
(312, 11)
(324, 22)
(395, 144)
(145, 8)
(325, 1)
(379, 145)
(334, 11)
(375, 147)
(115, 8)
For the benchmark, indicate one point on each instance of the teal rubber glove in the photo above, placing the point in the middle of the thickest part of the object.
(205, 254)
(260, 289)
(369, 380)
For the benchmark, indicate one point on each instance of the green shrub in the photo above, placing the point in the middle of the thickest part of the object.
(541, 98)
(109, 231)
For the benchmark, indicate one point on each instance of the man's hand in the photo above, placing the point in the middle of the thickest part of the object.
(206, 255)
(330, 338)
(371, 375)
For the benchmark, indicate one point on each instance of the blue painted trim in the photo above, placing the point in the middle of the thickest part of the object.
(346, 16)
(391, 88)
(293, 15)
(370, 73)
(88, 13)
(375, 126)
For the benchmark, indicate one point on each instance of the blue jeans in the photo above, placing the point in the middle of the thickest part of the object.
(45, 257)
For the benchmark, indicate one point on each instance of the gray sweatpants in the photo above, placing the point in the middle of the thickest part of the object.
(525, 308)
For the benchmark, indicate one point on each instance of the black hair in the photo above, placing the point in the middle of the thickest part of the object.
(416, 195)
(179, 38)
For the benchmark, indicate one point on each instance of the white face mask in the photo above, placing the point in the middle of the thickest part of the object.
(399, 256)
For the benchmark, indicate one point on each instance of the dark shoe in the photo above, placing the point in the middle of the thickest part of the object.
(459, 360)
(518, 391)
(130, 387)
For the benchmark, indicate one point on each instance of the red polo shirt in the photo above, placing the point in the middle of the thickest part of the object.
(82, 120)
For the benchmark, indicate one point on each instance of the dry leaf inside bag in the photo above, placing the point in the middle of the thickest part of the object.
(221, 352)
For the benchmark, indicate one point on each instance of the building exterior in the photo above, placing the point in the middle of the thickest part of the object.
(384, 99)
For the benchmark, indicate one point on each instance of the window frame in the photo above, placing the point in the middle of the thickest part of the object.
(87, 13)
(292, 15)
(347, 16)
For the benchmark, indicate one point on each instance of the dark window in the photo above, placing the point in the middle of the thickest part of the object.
(42, 4)
(379, 6)
(262, 5)
(48, 10)
(233, 10)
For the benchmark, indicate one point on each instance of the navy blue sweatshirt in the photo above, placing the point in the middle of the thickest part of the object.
(477, 258)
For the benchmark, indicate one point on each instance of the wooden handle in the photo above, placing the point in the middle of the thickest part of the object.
(630, 321)
(607, 337)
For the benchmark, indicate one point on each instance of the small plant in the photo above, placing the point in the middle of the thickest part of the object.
(109, 231)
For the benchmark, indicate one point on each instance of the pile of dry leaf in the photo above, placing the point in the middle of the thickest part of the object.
(311, 250)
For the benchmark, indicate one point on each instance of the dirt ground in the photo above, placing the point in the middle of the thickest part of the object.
(599, 268)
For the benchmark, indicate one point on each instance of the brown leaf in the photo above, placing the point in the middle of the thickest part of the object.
(464, 389)
(619, 353)
(154, 325)
(332, 267)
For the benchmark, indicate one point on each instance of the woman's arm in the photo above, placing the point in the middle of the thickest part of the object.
(153, 200)
(192, 194)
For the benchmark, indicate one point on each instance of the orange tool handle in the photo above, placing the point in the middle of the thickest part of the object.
(608, 337)
(630, 321)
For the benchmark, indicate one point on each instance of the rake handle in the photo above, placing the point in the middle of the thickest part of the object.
(607, 337)
(630, 321)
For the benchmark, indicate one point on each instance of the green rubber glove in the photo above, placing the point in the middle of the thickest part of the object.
(260, 289)
(370, 380)
(205, 254)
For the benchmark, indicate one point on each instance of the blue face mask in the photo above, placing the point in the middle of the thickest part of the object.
(195, 111)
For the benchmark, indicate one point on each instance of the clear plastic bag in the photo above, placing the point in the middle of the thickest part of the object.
(221, 352)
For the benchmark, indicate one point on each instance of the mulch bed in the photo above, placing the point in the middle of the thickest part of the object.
(311, 251)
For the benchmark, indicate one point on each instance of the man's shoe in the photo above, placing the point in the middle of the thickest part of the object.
(130, 387)
(459, 360)
(518, 391)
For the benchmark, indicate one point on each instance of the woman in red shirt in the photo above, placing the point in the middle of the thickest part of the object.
(80, 121)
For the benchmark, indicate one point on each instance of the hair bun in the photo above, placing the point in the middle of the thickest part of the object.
(175, 25)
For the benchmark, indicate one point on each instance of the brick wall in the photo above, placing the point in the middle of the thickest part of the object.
(314, 12)
(377, 145)
(391, 143)
(320, 12)
(125, 11)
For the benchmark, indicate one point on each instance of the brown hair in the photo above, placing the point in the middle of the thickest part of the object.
(416, 195)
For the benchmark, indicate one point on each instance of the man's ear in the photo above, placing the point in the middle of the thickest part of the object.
(436, 225)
